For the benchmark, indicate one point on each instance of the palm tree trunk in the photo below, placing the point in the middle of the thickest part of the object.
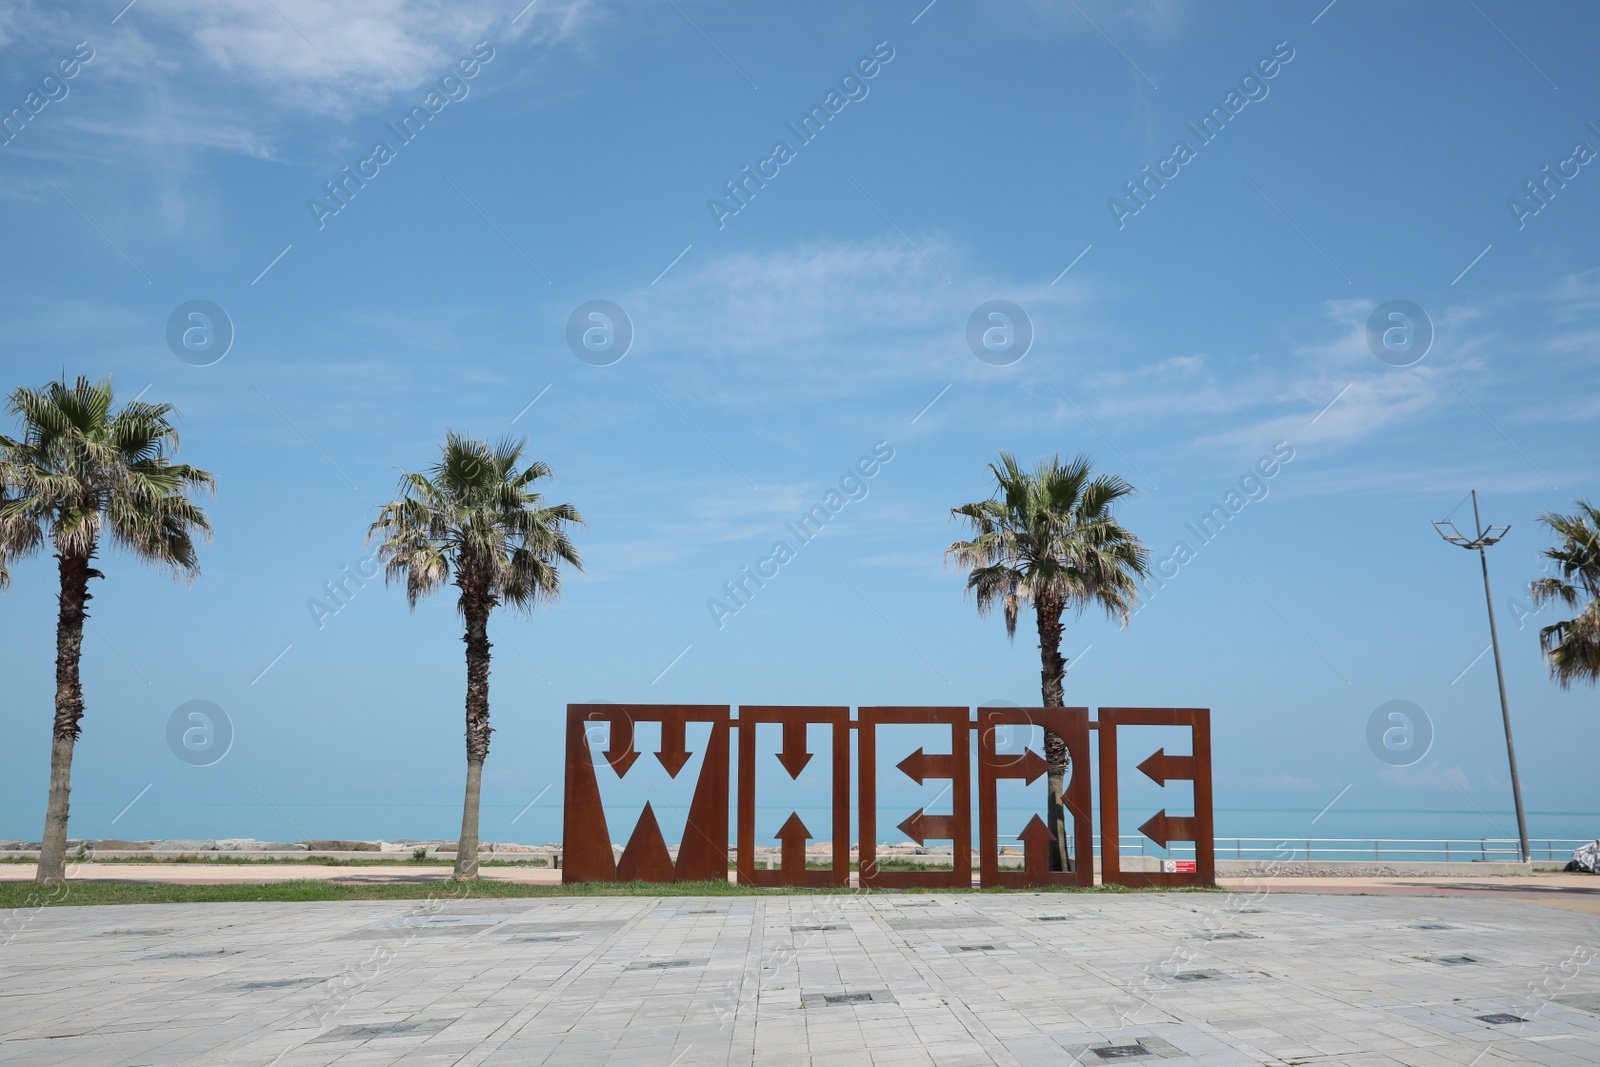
(475, 605)
(1052, 669)
(75, 573)
(467, 846)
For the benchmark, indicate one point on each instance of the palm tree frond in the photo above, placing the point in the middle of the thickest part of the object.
(1572, 648)
(83, 469)
(474, 517)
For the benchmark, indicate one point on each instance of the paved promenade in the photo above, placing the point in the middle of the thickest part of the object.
(1208, 979)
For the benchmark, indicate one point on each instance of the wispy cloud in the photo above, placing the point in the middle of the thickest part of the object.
(1429, 776)
(338, 59)
(830, 317)
(236, 77)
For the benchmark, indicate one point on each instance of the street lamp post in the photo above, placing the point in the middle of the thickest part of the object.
(1480, 542)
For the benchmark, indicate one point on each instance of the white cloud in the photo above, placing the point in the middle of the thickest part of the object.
(1430, 776)
(1576, 295)
(320, 56)
(671, 522)
(239, 77)
(12, 18)
(828, 319)
(341, 58)
(1334, 391)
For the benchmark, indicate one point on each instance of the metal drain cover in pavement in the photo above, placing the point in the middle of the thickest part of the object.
(1052, 918)
(975, 948)
(136, 933)
(818, 927)
(360, 1032)
(1192, 976)
(663, 965)
(280, 983)
(846, 999)
(1454, 959)
(1434, 926)
(569, 926)
(432, 922)
(1226, 935)
(544, 937)
(1141, 1047)
(1501, 1018)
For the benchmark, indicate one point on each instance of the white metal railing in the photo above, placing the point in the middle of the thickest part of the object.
(1449, 850)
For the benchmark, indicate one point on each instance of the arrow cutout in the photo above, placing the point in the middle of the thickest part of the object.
(793, 835)
(673, 741)
(919, 827)
(1036, 841)
(794, 756)
(1028, 766)
(1162, 828)
(920, 765)
(621, 753)
(1161, 768)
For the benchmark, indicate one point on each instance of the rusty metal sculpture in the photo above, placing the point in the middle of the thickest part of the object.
(794, 755)
(919, 827)
(1072, 726)
(703, 852)
(1160, 768)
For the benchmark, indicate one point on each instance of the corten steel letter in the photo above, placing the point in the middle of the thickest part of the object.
(1072, 726)
(703, 852)
(919, 827)
(1160, 768)
(794, 756)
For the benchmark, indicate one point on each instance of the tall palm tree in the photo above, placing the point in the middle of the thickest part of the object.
(1048, 538)
(1572, 648)
(82, 473)
(476, 513)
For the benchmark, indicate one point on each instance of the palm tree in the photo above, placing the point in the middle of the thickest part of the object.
(80, 473)
(1048, 537)
(477, 514)
(1572, 648)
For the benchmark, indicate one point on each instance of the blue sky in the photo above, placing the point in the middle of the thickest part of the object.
(776, 345)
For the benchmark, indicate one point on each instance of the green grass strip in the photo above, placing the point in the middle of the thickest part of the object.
(27, 895)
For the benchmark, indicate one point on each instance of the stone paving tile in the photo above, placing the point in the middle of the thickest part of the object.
(540, 983)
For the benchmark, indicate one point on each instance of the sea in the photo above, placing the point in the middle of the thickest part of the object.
(1261, 833)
